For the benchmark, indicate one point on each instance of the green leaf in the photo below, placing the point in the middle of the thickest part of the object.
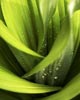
(75, 68)
(68, 92)
(47, 8)
(77, 5)
(76, 26)
(62, 7)
(17, 18)
(57, 49)
(8, 60)
(37, 22)
(13, 41)
(16, 84)
(25, 23)
(53, 29)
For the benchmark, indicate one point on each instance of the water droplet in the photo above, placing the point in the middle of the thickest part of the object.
(57, 68)
(43, 77)
(45, 74)
(55, 77)
(50, 71)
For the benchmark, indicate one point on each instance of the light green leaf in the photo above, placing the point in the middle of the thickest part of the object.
(25, 23)
(62, 7)
(76, 26)
(17, 18)
(13, 41)
(47, 8)
(11, 82)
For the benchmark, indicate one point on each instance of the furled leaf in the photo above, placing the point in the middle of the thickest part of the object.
(53, 74)
(57, 49)
(47, 9)
(53, 29)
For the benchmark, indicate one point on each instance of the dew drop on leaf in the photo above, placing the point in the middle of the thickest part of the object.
(55, 77)
(57, 68)
(45, 74)
(43, 77)
(50, 71)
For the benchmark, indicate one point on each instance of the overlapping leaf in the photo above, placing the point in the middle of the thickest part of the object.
(19, 20)
(16, 84)
(58, 47)
(27, 24)
(61, 66)
(7, 36)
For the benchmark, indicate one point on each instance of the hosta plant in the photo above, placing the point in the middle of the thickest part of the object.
(39, 49)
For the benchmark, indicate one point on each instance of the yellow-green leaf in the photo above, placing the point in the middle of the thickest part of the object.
(11, 82)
